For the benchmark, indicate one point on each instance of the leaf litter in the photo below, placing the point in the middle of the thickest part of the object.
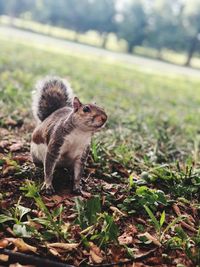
(110, 229)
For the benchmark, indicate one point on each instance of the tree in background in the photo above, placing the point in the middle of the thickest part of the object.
(159, 24)
(80, 16)
(15, 8)
(191, 23)
(133, 24)
(101, 17)
(2, 7)
(165, 25)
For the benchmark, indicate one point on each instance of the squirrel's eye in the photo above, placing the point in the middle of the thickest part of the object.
(86, 109)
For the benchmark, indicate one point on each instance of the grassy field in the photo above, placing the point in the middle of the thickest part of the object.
(144, 166)
(93, 38)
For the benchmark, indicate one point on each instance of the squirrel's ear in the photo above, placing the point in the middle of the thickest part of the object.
(76, 103)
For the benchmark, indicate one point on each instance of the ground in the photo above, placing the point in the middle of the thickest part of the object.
(140, 203)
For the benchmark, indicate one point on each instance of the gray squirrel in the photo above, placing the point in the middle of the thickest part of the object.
(64, 130)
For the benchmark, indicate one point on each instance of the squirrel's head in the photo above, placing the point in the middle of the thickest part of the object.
(88, 117)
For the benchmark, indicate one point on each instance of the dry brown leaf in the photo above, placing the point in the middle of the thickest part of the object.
(65, 227)
(4, 257)
(118, 253)
(22, 158)
(3, 243)
(189, 227)
(16, 147)
(54, 252)
(115, 209)
(138, 264)
(155, 261)
(125, 239)
(107, 186)
(10, 122)
(95, 253)
(151, 238)
(4, 144)
(9, 170)
(56, 198)
(144, 254)
(64, 246)
(86, 194)
(21, 245)
(132, 229)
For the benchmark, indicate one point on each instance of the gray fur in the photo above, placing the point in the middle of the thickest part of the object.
(51, 94)
(63, 136)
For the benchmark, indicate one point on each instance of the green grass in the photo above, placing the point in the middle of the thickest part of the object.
(152, 131)
(141, 106)
(93, 38)
(153, 117)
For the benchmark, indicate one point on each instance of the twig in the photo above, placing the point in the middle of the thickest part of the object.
(30, 259)
(189, 227)
(184, 224)
(123, 263)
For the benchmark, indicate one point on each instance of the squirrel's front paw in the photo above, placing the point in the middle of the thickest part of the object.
(47, 189)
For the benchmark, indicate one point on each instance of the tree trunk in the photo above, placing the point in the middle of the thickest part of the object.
(159, 53)
(192, 48)
(105, 39)
(76, 37)
(130, 48)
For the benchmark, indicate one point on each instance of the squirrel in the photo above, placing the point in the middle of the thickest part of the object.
(64, 130)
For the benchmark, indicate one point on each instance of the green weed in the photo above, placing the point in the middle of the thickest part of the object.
(52, 221)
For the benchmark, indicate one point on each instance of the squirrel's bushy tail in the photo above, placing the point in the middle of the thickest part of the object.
(51, 93)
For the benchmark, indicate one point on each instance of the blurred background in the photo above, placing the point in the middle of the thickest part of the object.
(167, 30)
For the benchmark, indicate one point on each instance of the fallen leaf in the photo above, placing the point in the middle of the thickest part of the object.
(3, 243)
(4, 204)
(64, 246)
(95, 253)
(155, 261)
(116, 166)
(132, 229)
(57, 198)
(4, 132)
(9, 170)
(107, 186)
(65, 227)
(54, 252)
(21, 245)
(10, 122)
(125, 239)
(151, 238)
(16, 147)
(138, 264)
(4, 257)
(86, 194)
(142, 255)
(4, 144)
(22, 158)
(116, 210)
(118, 253)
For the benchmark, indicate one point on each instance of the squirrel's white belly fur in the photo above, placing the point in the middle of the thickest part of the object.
(39, 151)
(73, 147)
